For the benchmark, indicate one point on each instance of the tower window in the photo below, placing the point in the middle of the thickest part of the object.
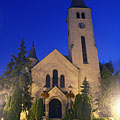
(62, 81)
(77, 15)
(47, 81)
(83, 15)
(55, 78)
(84, 50)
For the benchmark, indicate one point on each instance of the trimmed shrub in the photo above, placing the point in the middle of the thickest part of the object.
(36, 111)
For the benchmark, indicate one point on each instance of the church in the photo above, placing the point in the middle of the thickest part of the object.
(57, 74)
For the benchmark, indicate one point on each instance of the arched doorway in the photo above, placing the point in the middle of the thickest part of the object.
(55, 109)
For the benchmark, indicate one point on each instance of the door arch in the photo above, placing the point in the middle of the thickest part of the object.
(55, 109)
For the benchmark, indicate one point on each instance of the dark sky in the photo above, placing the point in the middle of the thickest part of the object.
(44, 21)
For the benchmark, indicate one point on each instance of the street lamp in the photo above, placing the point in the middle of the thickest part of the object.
(70, 95)
(44, 88)
(70, 88)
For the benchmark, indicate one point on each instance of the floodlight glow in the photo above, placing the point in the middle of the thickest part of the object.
(116, 108)
(2, 118)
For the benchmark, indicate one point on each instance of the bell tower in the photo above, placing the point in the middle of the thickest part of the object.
(81, 43)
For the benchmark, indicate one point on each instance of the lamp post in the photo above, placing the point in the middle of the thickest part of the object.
(70, 88)
(70, 95)
(44, 96)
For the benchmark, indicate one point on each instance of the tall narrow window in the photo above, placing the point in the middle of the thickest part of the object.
(47, 81)
(55, 78)
(84, 50)
(83, 15)
(62, 81)
(77, 15)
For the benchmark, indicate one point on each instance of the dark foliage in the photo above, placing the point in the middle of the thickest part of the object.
(13, 107)
(18, 72)
(36, 111)
(85, 87)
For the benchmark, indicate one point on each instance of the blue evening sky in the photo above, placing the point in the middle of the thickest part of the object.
(44, 21)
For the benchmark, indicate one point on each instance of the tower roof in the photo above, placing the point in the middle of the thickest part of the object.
(32, 53)
(78, 4)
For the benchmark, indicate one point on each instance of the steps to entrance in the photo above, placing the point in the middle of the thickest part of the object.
(54, 119)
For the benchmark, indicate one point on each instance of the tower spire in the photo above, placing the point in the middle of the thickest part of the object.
(32, 53)
(78, 4)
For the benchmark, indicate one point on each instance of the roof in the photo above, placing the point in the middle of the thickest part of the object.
(32, 53)
(64, 92)
(78, 4)
(53, 54)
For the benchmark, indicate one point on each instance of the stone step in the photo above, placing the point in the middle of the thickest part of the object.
(54, 119)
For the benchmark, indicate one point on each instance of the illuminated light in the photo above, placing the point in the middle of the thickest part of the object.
(2, 118)
(116, 109)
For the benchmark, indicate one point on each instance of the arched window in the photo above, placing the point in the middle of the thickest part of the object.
(84, 50)
(62, 81)
(77, 15)
(47, 81)
(55, 78)
(83, 15)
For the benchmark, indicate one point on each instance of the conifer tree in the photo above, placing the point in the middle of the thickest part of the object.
(85, 87)
(78, 106)
(13, 108)
(82, 108)
(18, 71)
(86, 108)
(8, 77)
(86, 105)
(21, 69)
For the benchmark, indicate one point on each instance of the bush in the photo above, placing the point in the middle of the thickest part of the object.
(36, 111)
(81, 109)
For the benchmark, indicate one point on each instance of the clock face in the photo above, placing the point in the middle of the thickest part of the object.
(81, 25)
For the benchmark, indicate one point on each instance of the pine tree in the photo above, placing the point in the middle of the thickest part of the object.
(85, 87)
(18, 71)
(86, 108)
(26, 82)
(86, 104)
(22, 68)
(13, 108)
(8, 78)
(78, 106)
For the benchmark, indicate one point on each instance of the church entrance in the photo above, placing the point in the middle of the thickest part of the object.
(55, 109)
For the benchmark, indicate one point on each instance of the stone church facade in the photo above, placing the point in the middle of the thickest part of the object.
(57, 72)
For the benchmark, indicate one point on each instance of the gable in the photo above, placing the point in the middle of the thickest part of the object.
(56, 91)
(54, 61)
(54, 58)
